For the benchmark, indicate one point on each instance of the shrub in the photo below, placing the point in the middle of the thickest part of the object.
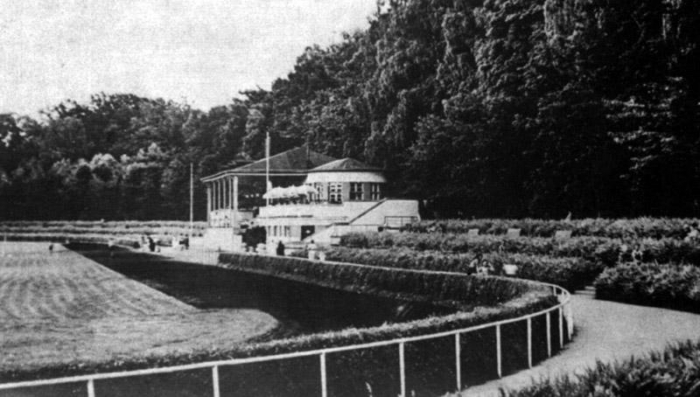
(598, 249)
(569, 273)
(611, 228)
(115, 228)
(103, 239)
(397, 283)
(666, 285)
(673, 372)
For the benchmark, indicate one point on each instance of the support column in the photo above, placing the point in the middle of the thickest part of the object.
(227, 193)
(208, 205)
(217, 206)
(235, 195)
(215, 195)
(229, 190)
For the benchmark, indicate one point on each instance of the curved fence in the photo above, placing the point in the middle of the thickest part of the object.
(423, 365)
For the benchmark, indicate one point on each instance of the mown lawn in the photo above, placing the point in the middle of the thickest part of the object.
(59, 307)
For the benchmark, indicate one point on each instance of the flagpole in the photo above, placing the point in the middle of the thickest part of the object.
(267, 168)
(191, 200)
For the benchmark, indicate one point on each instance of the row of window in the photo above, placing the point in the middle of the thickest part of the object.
(357, 193)
(279, 231)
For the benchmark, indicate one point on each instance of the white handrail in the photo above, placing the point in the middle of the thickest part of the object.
(559, 291)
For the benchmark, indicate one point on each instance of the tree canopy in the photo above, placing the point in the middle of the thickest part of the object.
(505, 108)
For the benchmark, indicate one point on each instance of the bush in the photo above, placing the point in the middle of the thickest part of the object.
(673, 372)
(168, 228)
(396, 283)
(569, 273)
(597, 249)
(611, 228)
(669, 285)
(102, 239)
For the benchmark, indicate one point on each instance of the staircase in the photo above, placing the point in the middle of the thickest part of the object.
(589, 290)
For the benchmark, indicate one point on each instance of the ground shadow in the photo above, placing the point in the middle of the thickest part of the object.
(300, 307)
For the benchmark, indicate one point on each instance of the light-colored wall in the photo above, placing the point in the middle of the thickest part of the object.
(403, 208)
(321, 213)
(222, 218)
(221, 239)
(326, 177)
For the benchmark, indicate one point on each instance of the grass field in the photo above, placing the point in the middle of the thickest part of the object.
(62, 307)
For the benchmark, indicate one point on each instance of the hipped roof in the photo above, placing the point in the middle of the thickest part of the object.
(293, 162)
(345, 165)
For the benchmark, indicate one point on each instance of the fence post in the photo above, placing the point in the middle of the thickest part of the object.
(561, 327)
(498, 350)
(215, 380)
(402, 368)
(324, 380)
(458, 361)
(91, 388)
(529, 342)
(569, 321)
(549, 335)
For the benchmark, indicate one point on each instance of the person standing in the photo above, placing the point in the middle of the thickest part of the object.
(311, 249)
(280, 249)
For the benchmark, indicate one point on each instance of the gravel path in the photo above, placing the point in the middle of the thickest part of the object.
(605, 331)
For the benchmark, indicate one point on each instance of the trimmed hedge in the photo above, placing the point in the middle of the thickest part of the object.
(104, 224)
(569, 273)
(669, 285)
(99, 228)
(397, 283)
(611, 228)
(103, 239)
(671, 373)
(604, 250)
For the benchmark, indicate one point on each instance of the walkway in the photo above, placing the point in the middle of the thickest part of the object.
(605, 331)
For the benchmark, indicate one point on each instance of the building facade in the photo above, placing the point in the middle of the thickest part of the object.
(312, 197)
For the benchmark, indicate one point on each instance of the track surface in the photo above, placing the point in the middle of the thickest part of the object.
(606, 331)
(59, 306)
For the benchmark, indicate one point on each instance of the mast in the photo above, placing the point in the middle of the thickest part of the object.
(191, 200)
(267, 168)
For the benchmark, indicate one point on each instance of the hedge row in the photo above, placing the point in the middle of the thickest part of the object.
(569, 273)
(598, 249)
(668, 285)
(125, 240)
(395, 283)
(611, 228)
(671, 373)
(105, 224)
(115, 231)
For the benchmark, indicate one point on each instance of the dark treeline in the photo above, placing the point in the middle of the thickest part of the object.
(498, 108)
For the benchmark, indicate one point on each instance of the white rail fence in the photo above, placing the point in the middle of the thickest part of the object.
(561, 312)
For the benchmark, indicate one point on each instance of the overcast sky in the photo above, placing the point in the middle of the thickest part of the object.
(201, 51)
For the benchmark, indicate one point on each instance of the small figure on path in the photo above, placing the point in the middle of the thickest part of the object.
(151, 244)
(280, 249)
(474, 264)
(311, 249)
(51, 248)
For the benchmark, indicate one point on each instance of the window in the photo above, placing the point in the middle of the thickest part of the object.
(375, 193)
(319, 188)
(356, 192)
(287, 231)
(335, 192)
